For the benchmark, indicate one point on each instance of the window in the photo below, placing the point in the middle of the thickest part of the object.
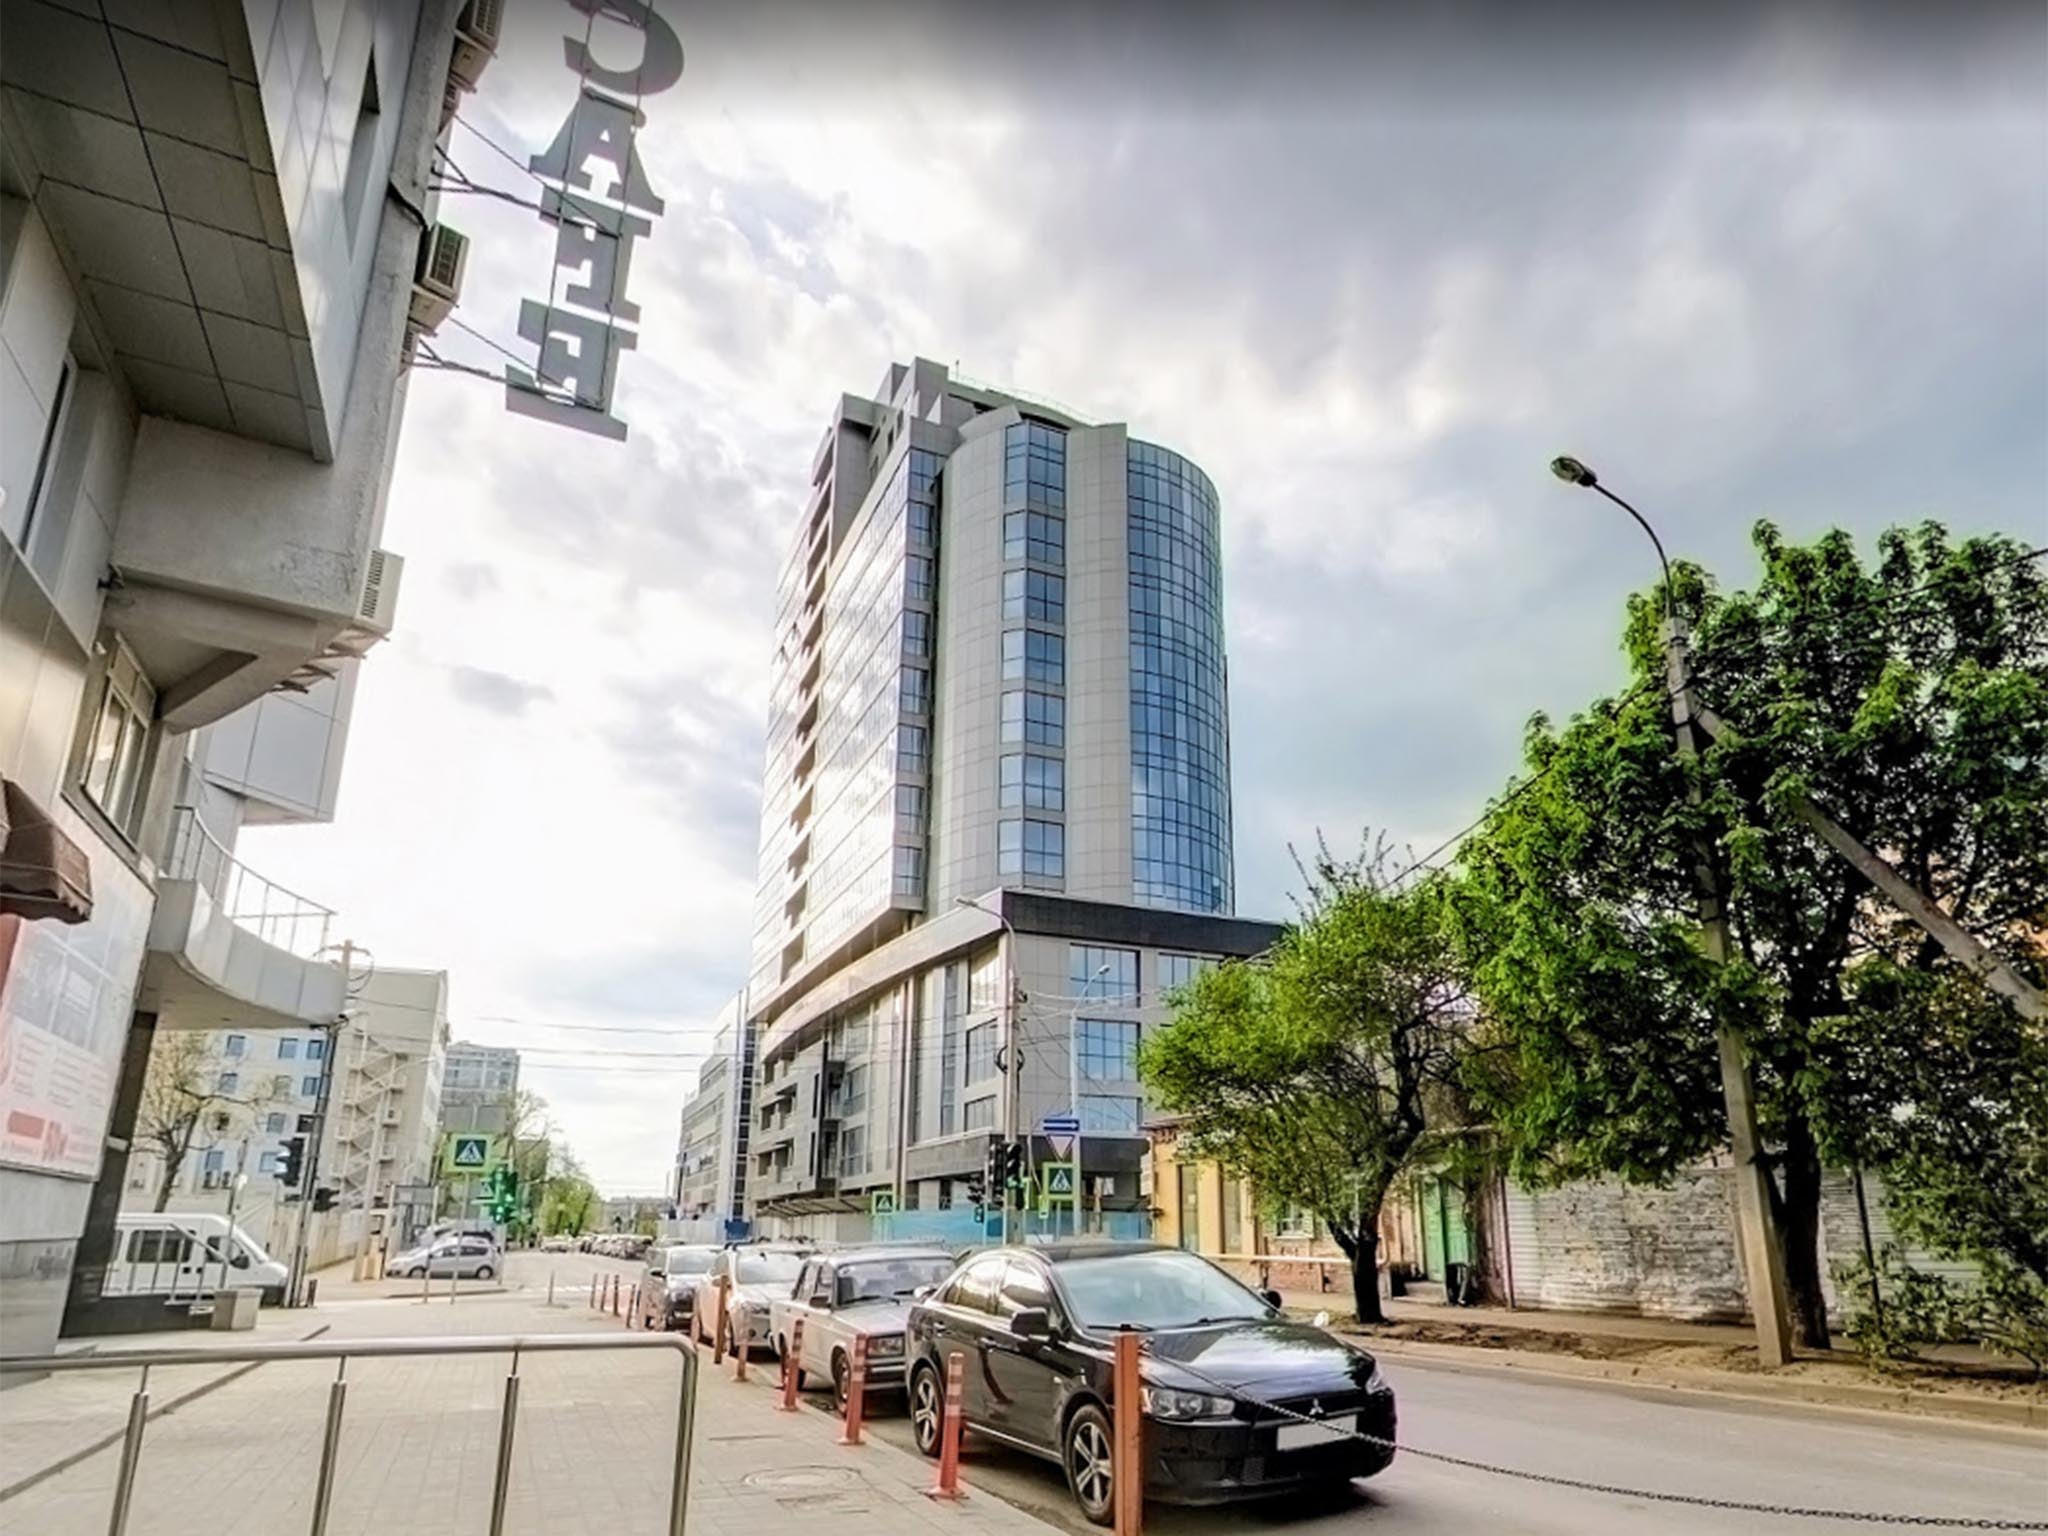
(158, 1245)
(41, 526)
(305, 1125)
(1108, 974)
(913, 749)
(234, 1045)
(912, 803)
(119, 744)
(1035, 717)
(1105, 1112)
(853, 1150)
(281, 1084)
(229, 1082)
(287, 1049)
(316, 1050)
(267, 1163)
(945, 1202)
(853, 1090)
(1037, 595)
(1033, 782)
(975, 1288)
(362, 154)
(1190, 1178)
(914, 691)
(1024, 1288)
(273, 1124)
(917, 634)
(1031, 847)
(1035, 466)
(1294, 1220)
(1107, 1049)
(215, 1161)
(978, 1114)
(310, 1086)
(918, 583)
(1233, 1214)
(1179, 970)
(985, 981)
(909, 875)
(1034, 655)
(981, 1052)
(1039, 536)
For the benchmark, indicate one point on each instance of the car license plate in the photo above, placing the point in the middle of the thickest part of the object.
(1298, 1437)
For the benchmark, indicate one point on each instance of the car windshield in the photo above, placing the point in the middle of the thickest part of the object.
(689, 1261)
(1155, 1290)
(767, 1268)
(883, 1279)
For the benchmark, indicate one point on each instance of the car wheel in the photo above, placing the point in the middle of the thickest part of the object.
(416, 1273)
(927, 1409)
(841, 1380)
(483, 1271)
(1086, 1454)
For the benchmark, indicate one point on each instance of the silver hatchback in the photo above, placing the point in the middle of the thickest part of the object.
(466, 1258)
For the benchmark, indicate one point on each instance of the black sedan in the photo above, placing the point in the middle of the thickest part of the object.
(1239, 1402)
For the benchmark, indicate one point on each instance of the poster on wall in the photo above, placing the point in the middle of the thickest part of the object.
(65, 997)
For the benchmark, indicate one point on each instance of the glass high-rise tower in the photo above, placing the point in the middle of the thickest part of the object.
(997, 787)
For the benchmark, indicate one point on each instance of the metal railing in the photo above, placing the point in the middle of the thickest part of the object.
(147, 1360)
(279, 917)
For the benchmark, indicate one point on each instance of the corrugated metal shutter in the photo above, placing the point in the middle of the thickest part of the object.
(1525, 1259)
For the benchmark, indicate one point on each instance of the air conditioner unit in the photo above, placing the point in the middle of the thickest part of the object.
(378, 609)
(437, 280)
(476, 39)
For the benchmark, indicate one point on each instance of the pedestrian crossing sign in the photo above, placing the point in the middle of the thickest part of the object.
(466, 1152)
(1059, 1183)
(882, 1202)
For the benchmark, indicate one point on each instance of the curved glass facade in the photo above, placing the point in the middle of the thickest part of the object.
(1180, 721)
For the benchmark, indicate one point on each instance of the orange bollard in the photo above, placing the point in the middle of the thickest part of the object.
(615, 1295)
(1127, 1449)
(633, 1308)
(856, 1391)
(593, 1293)
(742, 1339)
(791, 1369)
(947, 1485)
(722, 1288)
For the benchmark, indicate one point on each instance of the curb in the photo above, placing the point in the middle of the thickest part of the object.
(1899, 1401)
(66, 1462)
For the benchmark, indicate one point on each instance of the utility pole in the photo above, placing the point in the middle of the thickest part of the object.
(1763, 1260)
(309, 1180)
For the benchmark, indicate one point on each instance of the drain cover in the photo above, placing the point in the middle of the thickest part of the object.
(802, 1479)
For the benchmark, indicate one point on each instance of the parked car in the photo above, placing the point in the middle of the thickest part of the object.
(467, 1258)
(844, 1296)
(755, 1276)
(560, 1243)
(1038, 1328)
(668, 1284)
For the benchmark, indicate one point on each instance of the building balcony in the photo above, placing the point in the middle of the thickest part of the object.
(229, 949)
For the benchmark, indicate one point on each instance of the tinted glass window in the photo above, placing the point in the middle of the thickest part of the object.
(1023, 1287)
(975, 1289)
(1164, 1289)
(767, 1268)
(689, 1261)
(887, 1279)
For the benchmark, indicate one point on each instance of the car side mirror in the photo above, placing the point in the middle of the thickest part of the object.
(1032, 1323)
(924, 1293)
(1271, 1299)
(658, 1274)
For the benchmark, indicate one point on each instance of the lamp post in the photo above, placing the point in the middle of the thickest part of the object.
(1763, 1259)
(1008, 1058)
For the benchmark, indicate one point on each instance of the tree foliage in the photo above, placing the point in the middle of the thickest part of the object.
(1910, 698)
(1312, 1070)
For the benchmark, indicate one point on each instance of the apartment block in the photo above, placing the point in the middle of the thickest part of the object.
(712, 1143)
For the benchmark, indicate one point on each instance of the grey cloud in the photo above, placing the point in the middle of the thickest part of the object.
(498, 692)
(698, 756)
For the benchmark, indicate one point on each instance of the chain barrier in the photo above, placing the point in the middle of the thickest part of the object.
(1587, 1485)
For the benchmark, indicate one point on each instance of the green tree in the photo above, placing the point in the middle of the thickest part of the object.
(1312, 1071)
(1909, 697)
(567, 1197)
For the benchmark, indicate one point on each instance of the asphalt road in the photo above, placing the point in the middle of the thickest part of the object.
(1637, 1438)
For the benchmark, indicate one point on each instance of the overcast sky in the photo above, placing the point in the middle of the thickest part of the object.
(1783, 264)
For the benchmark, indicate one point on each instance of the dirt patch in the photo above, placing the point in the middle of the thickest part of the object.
(2013, 1383)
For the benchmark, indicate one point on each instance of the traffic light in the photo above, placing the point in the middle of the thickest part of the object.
(977, 1196)
(501, 1191)
(995, 1171)
(290, 1162)
(1013, 1169)
(324, 1199)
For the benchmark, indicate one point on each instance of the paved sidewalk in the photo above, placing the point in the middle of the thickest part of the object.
(1621, 1325)
(592, 1451)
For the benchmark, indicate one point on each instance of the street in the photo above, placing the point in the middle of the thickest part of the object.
(594, 1436)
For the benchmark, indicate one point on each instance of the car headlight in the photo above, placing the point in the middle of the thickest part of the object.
(885, 1344)
(1376, 1382)
(1168, 1403)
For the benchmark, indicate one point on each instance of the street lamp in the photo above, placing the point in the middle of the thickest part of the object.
(1763, 1258)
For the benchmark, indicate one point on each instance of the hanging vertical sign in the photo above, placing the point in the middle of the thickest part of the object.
(596, 194)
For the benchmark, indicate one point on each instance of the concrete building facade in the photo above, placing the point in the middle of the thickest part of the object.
(710, 1188)
(210, 221)
(996, 803)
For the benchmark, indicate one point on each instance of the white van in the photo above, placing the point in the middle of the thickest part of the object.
(184, 1255)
